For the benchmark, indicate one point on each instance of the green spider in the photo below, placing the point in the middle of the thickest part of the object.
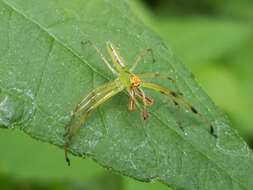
(125, 80)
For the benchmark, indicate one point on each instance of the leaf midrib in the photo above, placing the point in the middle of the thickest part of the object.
(102, 75)
(55, 38)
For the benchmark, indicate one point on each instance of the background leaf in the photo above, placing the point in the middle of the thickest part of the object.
(98, 183)
(45, 72)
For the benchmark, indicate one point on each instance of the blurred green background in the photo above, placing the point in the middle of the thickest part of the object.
(213, 38)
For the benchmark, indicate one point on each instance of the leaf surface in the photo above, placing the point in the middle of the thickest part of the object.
(45, 72)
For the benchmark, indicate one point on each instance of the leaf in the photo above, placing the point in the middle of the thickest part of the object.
(46, 71)
(46, 164)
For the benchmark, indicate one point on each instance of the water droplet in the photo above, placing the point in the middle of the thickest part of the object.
(16, 107)
(11, 110)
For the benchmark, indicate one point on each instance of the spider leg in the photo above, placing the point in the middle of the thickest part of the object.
(177, 97)
(145, 112)
(155, 75)
(141, 56)
(106, 87)
(140, 94)
(84, 109)
(101, 55)
(131, 102)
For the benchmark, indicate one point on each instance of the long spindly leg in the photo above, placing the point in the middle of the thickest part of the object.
(87, 101)
(140, 94)
(155, 75)
(141, 56)
(81, 114)
(101, 55)
(146, 101)
(131, 101)
(94, 93)
(71, 131)
(176, 98)
(145, 112)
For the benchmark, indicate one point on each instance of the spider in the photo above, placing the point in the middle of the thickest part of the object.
(125, 80)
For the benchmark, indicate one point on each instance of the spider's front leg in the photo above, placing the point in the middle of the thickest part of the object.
(82, 111)
(101, 55)
(141, 56)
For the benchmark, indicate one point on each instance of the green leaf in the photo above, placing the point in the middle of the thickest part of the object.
(46, 164)
(45, 72)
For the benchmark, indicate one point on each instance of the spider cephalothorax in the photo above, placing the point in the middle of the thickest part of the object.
(135, 81)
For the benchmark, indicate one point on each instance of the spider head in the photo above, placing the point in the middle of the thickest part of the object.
(135, 81)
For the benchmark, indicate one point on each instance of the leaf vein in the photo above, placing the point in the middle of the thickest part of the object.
(72, 51)
(51, 47)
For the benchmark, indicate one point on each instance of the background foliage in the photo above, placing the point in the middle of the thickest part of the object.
(214, 38)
